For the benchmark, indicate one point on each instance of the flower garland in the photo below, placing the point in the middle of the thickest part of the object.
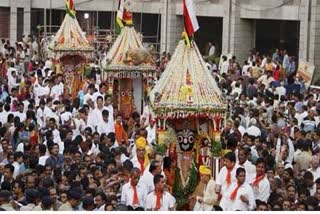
(182, 193)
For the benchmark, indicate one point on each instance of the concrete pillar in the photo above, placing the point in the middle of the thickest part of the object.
(27, 18)
(242, 32)
(13, 24)
(171, 26)
(314, 35)
(226, 27)
(304, 30)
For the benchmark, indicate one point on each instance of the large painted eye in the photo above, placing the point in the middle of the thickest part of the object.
(191, 139)
(123, 93)
(129, 93)
(180, 139)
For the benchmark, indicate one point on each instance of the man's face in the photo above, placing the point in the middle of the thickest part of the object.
(7, 174)
(135, 178)
(108, 101)
(30, 182)
(55, 150)
(161, 184)
(315, 162)
(205, 178)
(100, 103)
(98, 201)
(228, 163)
(119, 119)
(53, 194)
(16, 189)
(140, 153)
(103, 89)
(48, 170)
(51, 124)
(229, 125)
(5, 145)
(260, 169)
(242, 156)
(241, 177)
(286, 205)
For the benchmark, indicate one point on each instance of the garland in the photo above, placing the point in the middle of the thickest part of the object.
(182, 193)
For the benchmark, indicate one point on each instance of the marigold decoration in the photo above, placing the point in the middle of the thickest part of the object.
(186, 87)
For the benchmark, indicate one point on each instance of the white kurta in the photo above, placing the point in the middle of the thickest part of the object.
(127, 194)
(209, 198)
(262, 192)
(228, 205)
(167, 201)
(221, 178)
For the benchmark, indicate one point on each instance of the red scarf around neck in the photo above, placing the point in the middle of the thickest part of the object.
(228, 177)
(141, 165)
(257, 180)
(158, 200)
(234, 192)
(135, 200)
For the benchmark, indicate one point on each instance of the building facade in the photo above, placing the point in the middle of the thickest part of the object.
(237, 25)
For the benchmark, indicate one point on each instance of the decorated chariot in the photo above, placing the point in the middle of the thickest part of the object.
(129, 70)
(71, 51)
(187, 105)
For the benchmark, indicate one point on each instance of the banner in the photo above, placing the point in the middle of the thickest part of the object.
(306, 71)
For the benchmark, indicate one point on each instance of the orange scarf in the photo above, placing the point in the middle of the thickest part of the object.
(257, 180)
(135, 200)
(158, 201)
(228, 177)
(141, 165)
(234, 192)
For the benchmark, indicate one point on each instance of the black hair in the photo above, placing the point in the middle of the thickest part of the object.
(157, 179)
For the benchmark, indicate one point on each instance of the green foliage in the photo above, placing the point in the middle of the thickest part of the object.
(161, 149)
(182, 194)
(216, 149)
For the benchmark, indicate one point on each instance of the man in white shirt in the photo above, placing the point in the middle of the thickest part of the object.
(260, 182)
(148, 175)
(43, 155)
(95, 116)
(101, 92)
(12, 80)
(19, 113)
(266, 79)
(225, 65)
(56, 134)
(89, 94)
(212, 49)
(108, 106)
(315, 169)
(239, 196)
(18, 160)
(159, 199)
(227, 174)
(243, 162)
(105, 126)
(134, 192)
(210, 197)
(151, 129)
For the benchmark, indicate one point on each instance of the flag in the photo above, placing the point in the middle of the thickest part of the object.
(190, 19)
(70, 8)
(123, 16)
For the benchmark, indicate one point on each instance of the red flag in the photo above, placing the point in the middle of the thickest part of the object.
(190, 19)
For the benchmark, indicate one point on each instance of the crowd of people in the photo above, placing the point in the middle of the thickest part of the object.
(62, 154)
